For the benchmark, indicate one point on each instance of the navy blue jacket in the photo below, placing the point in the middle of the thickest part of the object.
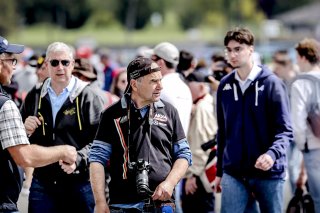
(252, 124)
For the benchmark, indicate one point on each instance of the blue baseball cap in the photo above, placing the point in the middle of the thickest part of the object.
(5, 47)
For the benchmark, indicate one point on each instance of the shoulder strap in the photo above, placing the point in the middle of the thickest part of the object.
(310, 77)
(3, 99)
(314, 79)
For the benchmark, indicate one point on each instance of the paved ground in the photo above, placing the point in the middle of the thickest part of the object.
(23, 200)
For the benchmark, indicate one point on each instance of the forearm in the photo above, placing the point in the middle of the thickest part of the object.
(178, 171)
(97, 179)
(82, 161)
(35, 155)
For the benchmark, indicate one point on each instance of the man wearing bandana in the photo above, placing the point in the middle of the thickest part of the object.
(141, 140)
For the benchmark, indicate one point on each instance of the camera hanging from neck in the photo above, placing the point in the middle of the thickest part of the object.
(150, 121)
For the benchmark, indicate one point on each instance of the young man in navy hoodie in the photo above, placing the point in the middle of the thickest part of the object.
(254, 130)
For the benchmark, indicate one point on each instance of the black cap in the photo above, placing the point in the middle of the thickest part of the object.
(5, 47)
(197, 76)
(139, 67)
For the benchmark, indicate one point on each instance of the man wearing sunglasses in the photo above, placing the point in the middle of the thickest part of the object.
(67, 112)
(15, 150)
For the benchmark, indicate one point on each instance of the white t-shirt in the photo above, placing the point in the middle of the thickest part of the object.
(177, 93)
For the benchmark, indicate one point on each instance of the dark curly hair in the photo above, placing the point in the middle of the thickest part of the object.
(241, 35)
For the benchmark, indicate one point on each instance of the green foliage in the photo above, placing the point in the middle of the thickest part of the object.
(8, 17)
(67, 14)
(194, 13)
(135, 14)
(127, 20)
(100, 19)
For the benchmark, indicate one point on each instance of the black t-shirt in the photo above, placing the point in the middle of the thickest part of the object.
(153, 143)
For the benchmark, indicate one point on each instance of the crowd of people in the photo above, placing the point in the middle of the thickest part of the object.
(165, 133)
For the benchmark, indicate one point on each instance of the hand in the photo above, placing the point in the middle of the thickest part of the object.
(191, 185)
(101, 208)
(217, 184)
(67, 168)
(69, 154)
(302, 179)
(213, 83)
(264, 162)
(163, 191)
(31, 124)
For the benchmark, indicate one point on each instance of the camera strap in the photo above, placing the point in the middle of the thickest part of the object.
(150, 122)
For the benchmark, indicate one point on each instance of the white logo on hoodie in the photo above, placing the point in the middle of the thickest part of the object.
(227, 87)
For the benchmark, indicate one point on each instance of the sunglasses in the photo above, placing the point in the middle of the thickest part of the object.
(55, 62)
(281, 62)
(14, 61)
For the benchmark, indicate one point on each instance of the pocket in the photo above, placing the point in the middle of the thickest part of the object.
(314, 121)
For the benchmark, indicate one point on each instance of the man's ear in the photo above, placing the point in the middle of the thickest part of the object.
(251, 49)
(133, 84)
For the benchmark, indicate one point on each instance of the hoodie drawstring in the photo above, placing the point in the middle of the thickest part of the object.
(78, 113)
(257, 89)
(256, 92)
(235, 92)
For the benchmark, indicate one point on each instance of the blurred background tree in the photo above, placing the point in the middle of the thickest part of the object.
(66, 14)
(138, 15)
(135, 14)
(8, 17)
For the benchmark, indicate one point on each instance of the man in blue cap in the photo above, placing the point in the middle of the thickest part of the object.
(15, 149)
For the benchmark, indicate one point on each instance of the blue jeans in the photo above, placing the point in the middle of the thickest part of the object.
(294, 159)
(236, 194)
(60, 197)
(312, 165)
(178, 191)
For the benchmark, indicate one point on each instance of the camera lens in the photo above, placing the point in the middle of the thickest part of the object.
(142, 182)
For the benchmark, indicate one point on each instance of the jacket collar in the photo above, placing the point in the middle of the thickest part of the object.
(75, 91)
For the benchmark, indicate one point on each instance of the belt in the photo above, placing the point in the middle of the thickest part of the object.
(149, 208)
(167, 207)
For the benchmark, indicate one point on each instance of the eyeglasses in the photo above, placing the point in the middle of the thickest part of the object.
(55, 62)
(235, 50)
(14, 61)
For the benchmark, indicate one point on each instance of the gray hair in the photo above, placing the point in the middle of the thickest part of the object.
(59, 47)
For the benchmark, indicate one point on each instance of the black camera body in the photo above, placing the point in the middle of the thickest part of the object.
(141, 170)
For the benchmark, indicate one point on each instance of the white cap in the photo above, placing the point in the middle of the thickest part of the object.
(144, 51)
(167, 52)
